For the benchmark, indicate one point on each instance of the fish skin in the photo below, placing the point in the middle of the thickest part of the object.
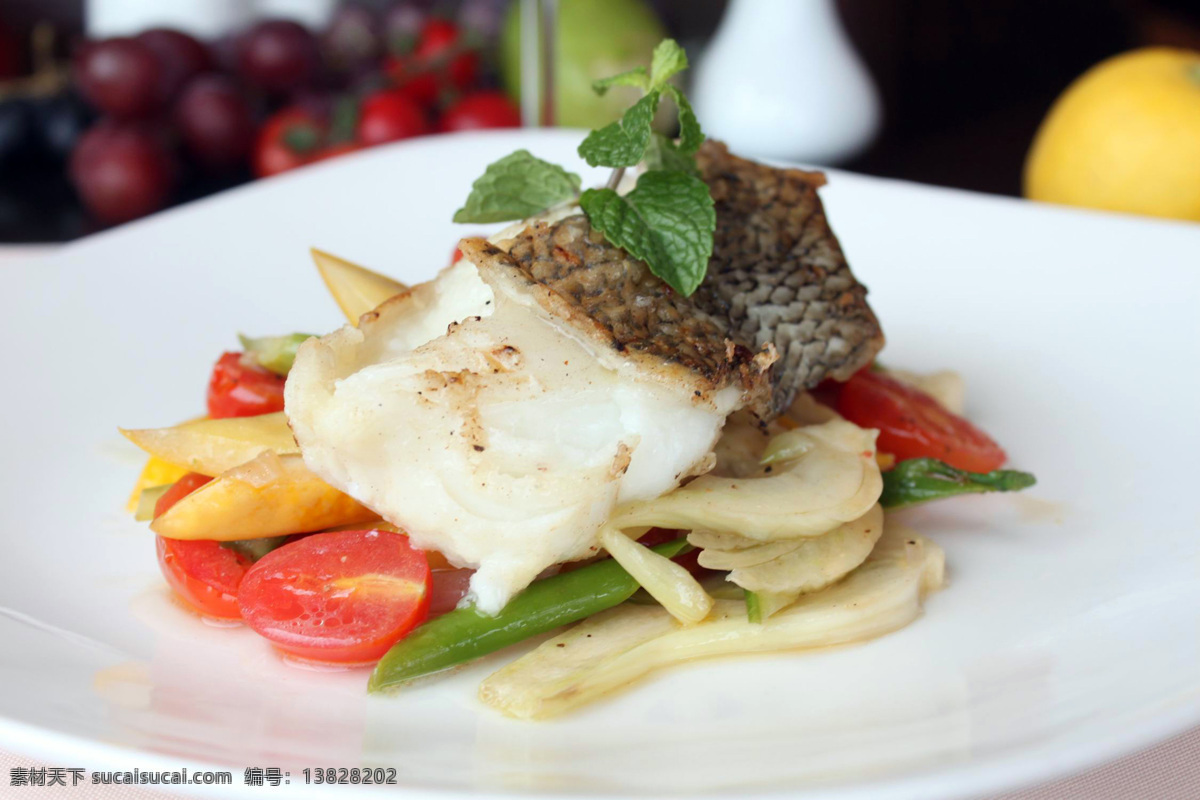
(778, 274)
(778, 312)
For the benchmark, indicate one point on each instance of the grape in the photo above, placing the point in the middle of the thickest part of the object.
(16, 131)
(181, 57)
(61, 120)
(10, 53)
(317, 103)
(351, 42)
(480, 20)
(122, 170)
(224, 51)
(215, 122)
(278, 55)
(119, 76)
(402, 26)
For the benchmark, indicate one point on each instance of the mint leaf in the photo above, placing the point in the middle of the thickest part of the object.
(662, 153)
(517, 186)
(690, 134)
(667, 221)
(622, 143)
(668, 60)
(635, 77)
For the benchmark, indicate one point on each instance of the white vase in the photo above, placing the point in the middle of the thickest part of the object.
(781, 80)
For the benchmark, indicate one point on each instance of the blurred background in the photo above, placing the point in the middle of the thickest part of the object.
(112, 109)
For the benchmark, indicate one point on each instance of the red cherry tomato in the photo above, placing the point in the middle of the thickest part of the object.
(480, 111)
(389, 116)
(203, 573)
(242, 389)
(343, 597)
(417, 82)
(288, 139)
(335, 150)
(913, 425)
(438, 61)
(440, 47)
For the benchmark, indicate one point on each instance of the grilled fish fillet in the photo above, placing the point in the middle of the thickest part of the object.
(500, 412)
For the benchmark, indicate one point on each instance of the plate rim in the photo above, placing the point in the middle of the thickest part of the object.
(974, 778)
(988, 774)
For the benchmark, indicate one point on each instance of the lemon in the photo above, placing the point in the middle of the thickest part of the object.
(1125, 136)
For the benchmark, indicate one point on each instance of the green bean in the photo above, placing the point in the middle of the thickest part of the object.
(465, 634)
(919, 480)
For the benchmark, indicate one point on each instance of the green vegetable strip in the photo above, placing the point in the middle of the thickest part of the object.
(919, 480)
(254, 549)
(276, 353)
(147, 500)
(753, 607)
(465, 634)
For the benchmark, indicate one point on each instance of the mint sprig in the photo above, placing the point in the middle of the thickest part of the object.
(663, 154)
(690, 134)
(517, 186)
(667, 221)
(622, 143)
(637, 77)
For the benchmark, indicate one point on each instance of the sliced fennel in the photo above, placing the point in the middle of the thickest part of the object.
(808, 565)
(356, 289)
(828, 476)
(610, 650)
(667, 582)
(212, 446)
(762, 605)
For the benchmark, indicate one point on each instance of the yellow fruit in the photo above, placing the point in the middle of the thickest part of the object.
(1124, 137)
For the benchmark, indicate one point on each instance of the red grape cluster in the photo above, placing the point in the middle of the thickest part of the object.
(275, 97)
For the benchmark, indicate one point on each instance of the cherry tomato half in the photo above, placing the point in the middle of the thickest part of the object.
(343, 597)
(913, 425)
(179, 490)
(242, 389)
(203, 573)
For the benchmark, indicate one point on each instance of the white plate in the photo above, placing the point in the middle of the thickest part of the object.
(1070, 631)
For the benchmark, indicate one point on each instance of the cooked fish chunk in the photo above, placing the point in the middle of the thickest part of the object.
(506, 442)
